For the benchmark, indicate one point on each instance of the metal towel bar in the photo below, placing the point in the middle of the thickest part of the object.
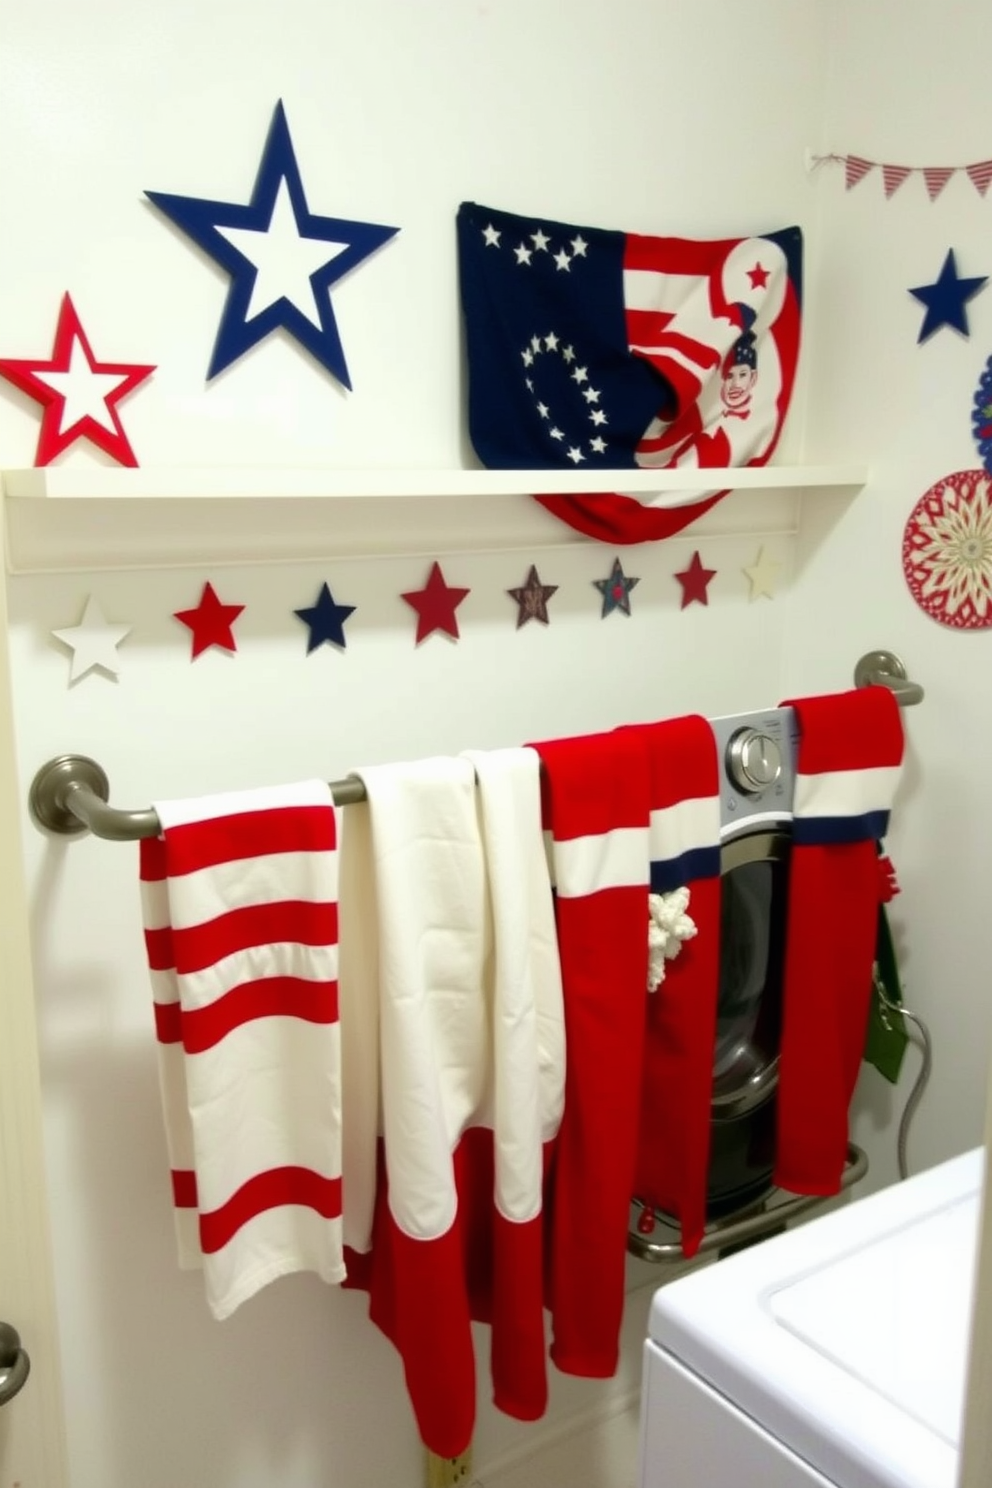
(773, 1214)
(69, 794)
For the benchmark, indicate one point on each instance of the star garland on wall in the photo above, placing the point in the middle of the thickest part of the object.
(210, 622)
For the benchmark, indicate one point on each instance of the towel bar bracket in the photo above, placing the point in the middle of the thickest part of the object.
(53, 785)
(886, 669)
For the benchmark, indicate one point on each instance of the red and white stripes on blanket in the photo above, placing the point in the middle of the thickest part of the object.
(239, 899)
(849, 753)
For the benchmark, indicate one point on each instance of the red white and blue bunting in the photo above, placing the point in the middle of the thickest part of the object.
(935, 177)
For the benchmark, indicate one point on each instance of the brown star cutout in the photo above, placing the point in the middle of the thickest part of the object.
(532, 599)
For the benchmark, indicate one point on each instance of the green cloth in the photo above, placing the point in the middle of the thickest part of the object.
(886, 1041)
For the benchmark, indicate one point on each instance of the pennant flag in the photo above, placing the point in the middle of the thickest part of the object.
(980, 174)
(591, 349)
(936, 177)
(855, 169)
(893, 177)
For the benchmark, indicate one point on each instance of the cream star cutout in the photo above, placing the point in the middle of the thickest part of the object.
(93, 642)
(761, 576)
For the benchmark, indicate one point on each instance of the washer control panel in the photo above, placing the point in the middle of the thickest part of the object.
(757, 754)
(754, 761)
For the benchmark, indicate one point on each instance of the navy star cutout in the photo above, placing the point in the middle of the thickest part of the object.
(615, 590)
(325, 620)
(277, 219)
(945, 299)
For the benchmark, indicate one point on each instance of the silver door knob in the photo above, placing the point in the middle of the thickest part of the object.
(14, 1363)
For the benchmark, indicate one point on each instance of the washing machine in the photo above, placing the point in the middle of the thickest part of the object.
(831, 1356)
(757, 755)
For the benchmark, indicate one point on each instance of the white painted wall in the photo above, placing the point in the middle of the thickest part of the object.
(905, 84)
(689, 116)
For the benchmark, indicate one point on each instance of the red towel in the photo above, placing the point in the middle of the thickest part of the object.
(595, 799)
(850, 749)
(673, 1155)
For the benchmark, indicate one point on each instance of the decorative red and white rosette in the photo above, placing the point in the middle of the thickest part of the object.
(947, 551)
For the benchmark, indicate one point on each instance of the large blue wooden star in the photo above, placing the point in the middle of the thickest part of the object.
(945, 300)
(282, 258)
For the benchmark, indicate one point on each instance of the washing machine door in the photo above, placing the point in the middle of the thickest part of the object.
(754, 886)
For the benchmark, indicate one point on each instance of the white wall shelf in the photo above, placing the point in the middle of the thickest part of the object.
(87, 518)
(97, 482)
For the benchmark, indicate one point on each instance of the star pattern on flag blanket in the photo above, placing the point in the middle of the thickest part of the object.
(282, 258)
(435, 605)
(211, 622)
(78, 394)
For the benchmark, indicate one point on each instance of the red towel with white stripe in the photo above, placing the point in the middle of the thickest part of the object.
(239, 899)
(596, 793)
(673, 1156)
(849, 752)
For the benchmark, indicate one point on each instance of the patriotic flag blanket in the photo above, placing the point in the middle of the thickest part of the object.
(591, 349)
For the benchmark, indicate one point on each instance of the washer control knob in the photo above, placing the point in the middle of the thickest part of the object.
(754, 761)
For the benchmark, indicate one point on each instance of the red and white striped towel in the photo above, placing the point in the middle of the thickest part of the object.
(239, 898)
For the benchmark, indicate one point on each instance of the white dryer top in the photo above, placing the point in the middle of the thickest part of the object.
(847, 1337)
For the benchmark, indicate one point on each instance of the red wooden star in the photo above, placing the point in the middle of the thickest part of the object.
(210, 622)
(435, 605)
(78, 394)
(694, 580)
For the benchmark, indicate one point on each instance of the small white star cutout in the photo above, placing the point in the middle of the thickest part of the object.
(93, 642)
(491, 235)
(761, 576)
(563, 261)
(523, 253)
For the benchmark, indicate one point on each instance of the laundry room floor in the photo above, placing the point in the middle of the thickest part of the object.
(602, 1454)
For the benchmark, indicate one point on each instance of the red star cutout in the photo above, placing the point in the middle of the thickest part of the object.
(78, 394)
(435, 605)
(758, 277)
(694, 580)
(210, 622)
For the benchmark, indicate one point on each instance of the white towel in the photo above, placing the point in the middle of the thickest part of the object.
(239, 897)
(528, 1016)
(461, 947)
